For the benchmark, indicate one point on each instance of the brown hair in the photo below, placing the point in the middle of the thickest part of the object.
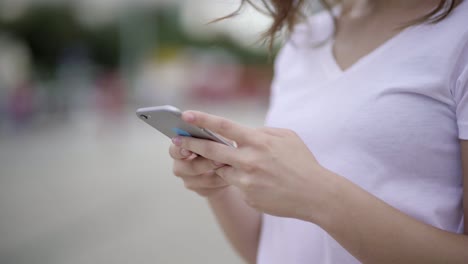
(287, 13)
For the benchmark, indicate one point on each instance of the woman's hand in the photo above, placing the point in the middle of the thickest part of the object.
(197, 172)
(272, 167)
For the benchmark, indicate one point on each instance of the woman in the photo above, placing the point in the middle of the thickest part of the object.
(366, 140)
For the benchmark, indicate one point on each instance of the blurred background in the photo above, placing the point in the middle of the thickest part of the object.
(82, 180)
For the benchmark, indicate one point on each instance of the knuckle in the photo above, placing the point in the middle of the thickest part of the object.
(269, 131)
(172, 151)
(225, 125)
(289, 132)
(247, 183)
(197, 167)
(251, 203)
(203, 193)
(213, 180)
(200, 118)
(190, 186)
(249, 165)
(177, 171)
(264, 143)
(222, 172)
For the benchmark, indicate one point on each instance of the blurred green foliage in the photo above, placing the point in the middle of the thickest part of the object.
(49, 31)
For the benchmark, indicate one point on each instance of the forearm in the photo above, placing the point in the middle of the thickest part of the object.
(240, 223)
(375, 232)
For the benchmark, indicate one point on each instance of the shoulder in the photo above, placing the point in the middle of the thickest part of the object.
(440, 48)
(453, 40)
(451, 32)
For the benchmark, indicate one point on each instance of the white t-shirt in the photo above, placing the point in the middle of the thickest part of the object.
(391, 124)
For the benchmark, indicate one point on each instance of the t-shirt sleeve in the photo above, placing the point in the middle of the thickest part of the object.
(461, 100)
(459, 87)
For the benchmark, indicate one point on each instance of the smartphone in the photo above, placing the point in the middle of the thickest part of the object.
(167, 119)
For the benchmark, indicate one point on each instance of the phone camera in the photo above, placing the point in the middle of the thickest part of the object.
(144, 117)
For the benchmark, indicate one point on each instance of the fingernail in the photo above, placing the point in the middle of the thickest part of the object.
(185, 153)
(192, 157)
(218, 164)
(189, 117)
(177, 141)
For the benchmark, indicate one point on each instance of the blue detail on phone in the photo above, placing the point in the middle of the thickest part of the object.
(181, 132)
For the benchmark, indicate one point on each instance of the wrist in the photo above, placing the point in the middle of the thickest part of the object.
(342, 200)
(329, 204)
(218, 194)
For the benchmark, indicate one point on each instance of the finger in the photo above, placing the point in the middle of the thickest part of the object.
(208, 180)
(236, 178)
(222, 126)
(229, 174)
(202, 165)
(211, 150)
(196, 167)
(270, 131)
(179, 153)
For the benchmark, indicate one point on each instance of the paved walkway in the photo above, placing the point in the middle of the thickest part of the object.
(86, 192)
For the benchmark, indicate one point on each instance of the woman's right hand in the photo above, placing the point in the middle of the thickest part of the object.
(197, 172)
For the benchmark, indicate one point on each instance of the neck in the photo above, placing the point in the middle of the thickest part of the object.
(357, 8)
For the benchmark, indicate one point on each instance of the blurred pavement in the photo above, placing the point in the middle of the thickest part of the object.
(86, 191)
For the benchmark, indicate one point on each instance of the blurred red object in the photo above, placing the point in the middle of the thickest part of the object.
(110, 96)
(21, 103)
(222, 82)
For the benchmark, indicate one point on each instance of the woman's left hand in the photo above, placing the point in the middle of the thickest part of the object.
(272, 167)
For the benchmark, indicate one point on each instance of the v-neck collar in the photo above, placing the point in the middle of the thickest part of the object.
(331, 65)
(335, 69)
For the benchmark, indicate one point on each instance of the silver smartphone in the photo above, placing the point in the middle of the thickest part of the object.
(167, 119)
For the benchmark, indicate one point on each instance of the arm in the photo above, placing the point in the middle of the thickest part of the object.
(374, 232)
(277, 174)
(464, 156)
(240, 223)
